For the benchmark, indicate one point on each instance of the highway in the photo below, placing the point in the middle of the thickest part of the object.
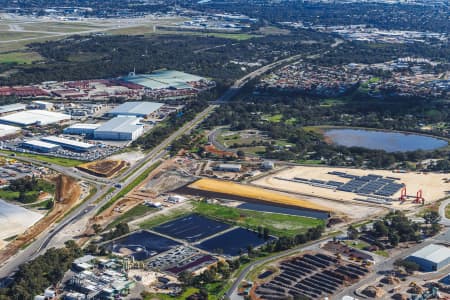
(90, 207)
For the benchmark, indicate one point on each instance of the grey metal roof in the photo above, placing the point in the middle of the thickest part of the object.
(120, 124)
(12, 107)
(137, 108)
(434, 253)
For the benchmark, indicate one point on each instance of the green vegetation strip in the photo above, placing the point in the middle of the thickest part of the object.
(65, 162)
(135, 212)
(278, 224)
(129, 187)
(447, 212)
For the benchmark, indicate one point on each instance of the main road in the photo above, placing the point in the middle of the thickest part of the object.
(102, 195)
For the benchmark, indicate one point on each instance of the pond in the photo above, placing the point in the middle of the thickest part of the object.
(383, 140)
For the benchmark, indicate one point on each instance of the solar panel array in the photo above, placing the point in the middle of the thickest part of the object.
(369, 184)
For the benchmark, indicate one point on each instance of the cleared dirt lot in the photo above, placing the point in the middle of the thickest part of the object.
(434, 185)
(103, 168)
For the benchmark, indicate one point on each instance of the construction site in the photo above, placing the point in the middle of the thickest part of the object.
(67, 195)
(103, 168)
(390, 189)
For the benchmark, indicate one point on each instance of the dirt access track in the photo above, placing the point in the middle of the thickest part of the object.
(103, 168)
(67, 195)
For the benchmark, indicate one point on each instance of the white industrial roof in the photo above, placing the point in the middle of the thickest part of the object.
(63, 141)
(137, 108)
(120, 124)
(84, 126)
(30, 117)
(434, 253)
(8, 130)
(41, 144)
(12, 107)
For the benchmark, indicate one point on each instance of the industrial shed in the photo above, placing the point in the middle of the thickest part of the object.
(34, 117)
(136, 109)
(431, 258)
(68, 144)
(81, 128)
(120, 129)
(40, 146)
(6, 130)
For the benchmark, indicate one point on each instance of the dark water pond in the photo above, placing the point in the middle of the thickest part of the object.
(382, 140)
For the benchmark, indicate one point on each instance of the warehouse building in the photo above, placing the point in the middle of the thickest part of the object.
(163, 79)
(140, 109)
(12, 108)
(40, 146)
(431, 258)
(7, 130)
(69, 144)
(44, 105)
(34, 117)
(120, 129)
(229, 167)
(81, 129)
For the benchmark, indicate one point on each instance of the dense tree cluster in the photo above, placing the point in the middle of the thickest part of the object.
(47, 270)
(29, 188)
(81, 57)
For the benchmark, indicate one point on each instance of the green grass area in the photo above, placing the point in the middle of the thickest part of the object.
(291, 121)
(310, 162)
(273, 118)
(278, 224)
(188, 292)
(135, 212)
(15, 35)
(19, 57)
(382, 253)
(65, 162)
(447, 211)
(31, 194)
(331, 102)
(162, 218)
(374, 80)
(357, 244)
(40, 205)
(129, 187)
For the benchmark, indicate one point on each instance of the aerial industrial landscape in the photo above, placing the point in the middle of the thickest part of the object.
(263, 150)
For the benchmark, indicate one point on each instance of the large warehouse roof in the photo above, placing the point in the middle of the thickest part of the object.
(12, 107)
(434, 253)
(164, 79)
(8, 130)
(139, 108)
(31, 117)
(120, 124)
(84, 126)
(40, 144)
(68, 143)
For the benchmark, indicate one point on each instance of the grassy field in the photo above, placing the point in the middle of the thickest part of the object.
(30, 195)
(184, 295)
(447, 211)
(162, 218)
(65, 162)
(135, 212)
(278, 224)
(19, 57)
(357, 244)
(14, 35)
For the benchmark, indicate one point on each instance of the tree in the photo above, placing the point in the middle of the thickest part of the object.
(352, 232)
(432, 217)
(409, 266)
(394, 239)
(380, 229)
(266, 233)
(97, 228)
(186, 278)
